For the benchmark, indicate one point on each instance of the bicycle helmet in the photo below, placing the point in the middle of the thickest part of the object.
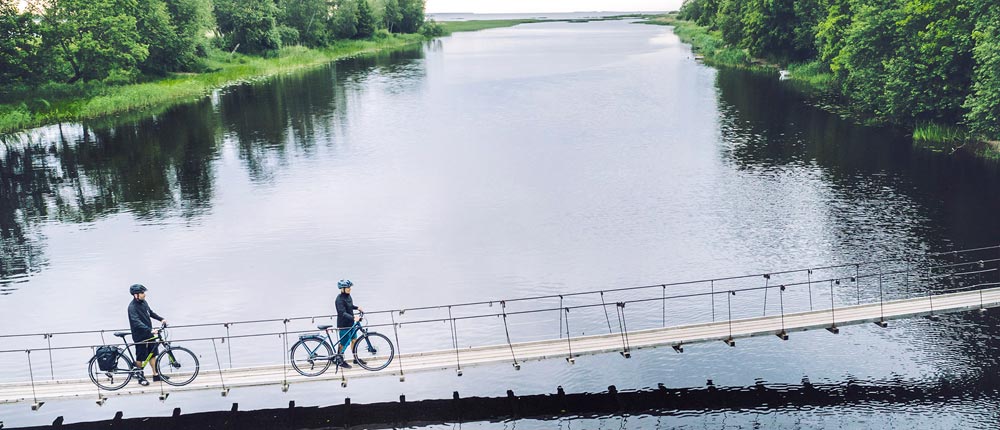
(345, 283)
(136, 289)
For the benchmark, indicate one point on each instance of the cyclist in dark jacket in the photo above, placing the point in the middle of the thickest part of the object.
(346, 319)
(139, 315)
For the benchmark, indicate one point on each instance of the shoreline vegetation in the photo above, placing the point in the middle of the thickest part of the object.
(814, 77)
(104, 100)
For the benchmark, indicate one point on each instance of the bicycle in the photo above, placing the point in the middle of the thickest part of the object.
(313, 354)
(177, 366)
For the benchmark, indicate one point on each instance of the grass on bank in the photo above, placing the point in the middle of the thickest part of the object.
(449, 27)
(55, 102)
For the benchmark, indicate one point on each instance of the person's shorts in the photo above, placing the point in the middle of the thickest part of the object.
(346, 336)
(143, 350)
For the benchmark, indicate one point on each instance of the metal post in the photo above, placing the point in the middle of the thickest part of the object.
(395, 334)
(663, 300)
(767, 278)
(857, 279)
(622, 328)
(503, 308)
(881, 302)
(52, 372)
(219, 363)
(729, 305)
(713, 299)
(810, 284)
(833, 315)
(781, 302)
(284, 359)
(229, 346)
(31, 373)
(560, 316)
(606, 317)
(454, 341)
(569, 343)
(906, 280)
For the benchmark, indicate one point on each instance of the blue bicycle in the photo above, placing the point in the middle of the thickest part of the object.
(313, 354)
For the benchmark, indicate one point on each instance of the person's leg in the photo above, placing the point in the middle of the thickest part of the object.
(155, 349)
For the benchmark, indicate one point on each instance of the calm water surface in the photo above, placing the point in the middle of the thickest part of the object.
(539, 159)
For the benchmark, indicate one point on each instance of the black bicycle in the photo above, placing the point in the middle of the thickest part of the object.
(112, 367)
(313, 354)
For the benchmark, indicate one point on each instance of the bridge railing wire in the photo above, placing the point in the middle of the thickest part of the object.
(929, 272)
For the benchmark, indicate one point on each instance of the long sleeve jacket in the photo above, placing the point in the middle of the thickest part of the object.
(139, 315)
(345, 311)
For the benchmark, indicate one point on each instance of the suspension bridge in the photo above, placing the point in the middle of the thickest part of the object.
(828, 297)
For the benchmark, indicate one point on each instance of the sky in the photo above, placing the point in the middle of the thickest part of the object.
(534, 6)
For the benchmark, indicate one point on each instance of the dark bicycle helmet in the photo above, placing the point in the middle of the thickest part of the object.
(136, 289)
(345, 283)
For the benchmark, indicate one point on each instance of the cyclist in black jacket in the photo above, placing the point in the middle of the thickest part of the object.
(139, 315)
(346, 319)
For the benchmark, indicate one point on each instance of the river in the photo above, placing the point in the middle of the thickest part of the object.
(540, 159)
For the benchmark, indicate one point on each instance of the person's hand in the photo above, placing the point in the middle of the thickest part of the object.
(163, 323)
(360, 309)
(357, 318)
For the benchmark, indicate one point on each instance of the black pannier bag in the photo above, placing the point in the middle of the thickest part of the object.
(107, 356)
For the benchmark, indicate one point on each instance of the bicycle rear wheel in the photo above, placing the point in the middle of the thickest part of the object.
(178, 365)
(111, 379)
(374, 351)
(311, 356)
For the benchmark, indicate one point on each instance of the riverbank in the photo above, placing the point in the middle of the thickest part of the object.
(92, 101)
(811, 77)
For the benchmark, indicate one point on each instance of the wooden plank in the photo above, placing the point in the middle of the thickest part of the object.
(536, 350)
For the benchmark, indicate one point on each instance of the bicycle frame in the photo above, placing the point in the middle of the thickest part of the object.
(357, 327)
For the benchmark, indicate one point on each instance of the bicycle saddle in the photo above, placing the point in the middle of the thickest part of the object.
(122, 334)
(323, 327)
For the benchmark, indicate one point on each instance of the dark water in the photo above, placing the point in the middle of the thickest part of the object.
(539, 159)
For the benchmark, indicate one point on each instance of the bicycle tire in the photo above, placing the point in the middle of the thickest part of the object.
(97, 375)
(379, 350)
(310, 360)
(175, 363)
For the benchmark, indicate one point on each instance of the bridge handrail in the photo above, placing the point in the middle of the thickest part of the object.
(401, 311)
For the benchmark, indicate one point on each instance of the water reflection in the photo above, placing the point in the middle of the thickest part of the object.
(163, 166)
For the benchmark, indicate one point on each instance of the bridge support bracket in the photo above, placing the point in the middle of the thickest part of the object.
(571, 360)
(679, 348)
(882, 323)
(833, 329)
(225, 392)
(458, 372)
(402, 378)
(517, 366)
(163, 396)
(730, 341)
(626, 353)
(37, 405)
(284, 387)
(101, 400)
(783, 335)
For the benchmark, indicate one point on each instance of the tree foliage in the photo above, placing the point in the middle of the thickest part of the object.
(367, 24)
(19, 44)
(248, 25)
(412, 15)
(905, 61)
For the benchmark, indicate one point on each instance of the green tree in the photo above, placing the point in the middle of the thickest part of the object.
(309, 18)
(413, 15)
(18, 45)
(983, 104)
(729, 21)
(344, 24)
(248, 25)
(392, 15)
(366, 20)
(95, 37)
(831, 33)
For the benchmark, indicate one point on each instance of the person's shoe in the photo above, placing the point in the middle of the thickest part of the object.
(359, 361)
(141, 380)
(344, 364)
(158, 378)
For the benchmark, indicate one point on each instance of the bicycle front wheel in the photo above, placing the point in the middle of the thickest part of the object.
(177, 366)
(111, 379)
(374, 351)
(311, 356)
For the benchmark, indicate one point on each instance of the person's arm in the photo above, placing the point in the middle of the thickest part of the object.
(157, 317)
(135, 320)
